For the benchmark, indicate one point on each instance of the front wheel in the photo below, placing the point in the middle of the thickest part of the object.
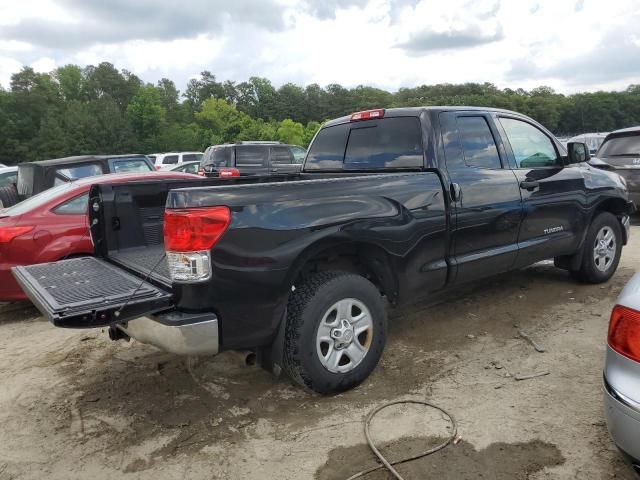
(335, 332)
(601, 250)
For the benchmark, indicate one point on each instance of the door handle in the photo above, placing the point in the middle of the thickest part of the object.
(529, 185)
(274, 169)
(456, 192)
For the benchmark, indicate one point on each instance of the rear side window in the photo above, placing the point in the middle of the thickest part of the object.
(126, 165)
(170, 160)
(385, 143)
(251, 156)
(478, 144)
(75, 206)
(627, 145)
(281, 155)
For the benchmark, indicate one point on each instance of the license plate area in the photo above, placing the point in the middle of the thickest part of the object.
(88, 292)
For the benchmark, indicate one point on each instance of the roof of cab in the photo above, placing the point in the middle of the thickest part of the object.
(416, 111)
(623, 131)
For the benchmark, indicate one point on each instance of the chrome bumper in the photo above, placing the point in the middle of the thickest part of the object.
(182, 334)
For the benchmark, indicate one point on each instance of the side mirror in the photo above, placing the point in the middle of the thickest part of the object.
(578, 152)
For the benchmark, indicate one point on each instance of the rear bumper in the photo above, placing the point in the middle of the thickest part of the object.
(9, 288)
(623, 421)
(175, 332)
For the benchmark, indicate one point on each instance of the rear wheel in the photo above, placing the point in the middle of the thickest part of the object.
(8, 196)
(601, 250)
(335, 332)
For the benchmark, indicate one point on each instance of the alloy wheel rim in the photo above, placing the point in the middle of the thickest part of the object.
(344, 335)
(604, 249)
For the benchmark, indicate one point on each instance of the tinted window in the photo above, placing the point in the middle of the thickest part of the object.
(478, 144)
(627, 145)
(9, 177)
(281, 155)
(390, 142)
(251, 156)
(327, 150)
(170, 159)
(130, 165)
(531, 147)
(75, 206)
(81, 171)
(191, 157)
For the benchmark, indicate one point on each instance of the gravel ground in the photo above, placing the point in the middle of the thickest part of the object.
(75, 405)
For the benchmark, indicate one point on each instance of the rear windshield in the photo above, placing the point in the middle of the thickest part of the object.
(616, 146)
(386, 143)
(126, 165)
(218, 157)
(37, 200)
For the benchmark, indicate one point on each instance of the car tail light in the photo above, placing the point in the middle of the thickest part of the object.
(158, 167)
(201, 172)
(189, 234)
(367, 115)
(229, 172)
(9, 233)
(624, 332)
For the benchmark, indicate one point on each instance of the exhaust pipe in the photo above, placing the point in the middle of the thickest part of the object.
(246, 358)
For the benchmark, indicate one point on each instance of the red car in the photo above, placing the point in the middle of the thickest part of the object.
(53, 225)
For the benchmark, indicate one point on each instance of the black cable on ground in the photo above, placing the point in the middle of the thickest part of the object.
(389, 465)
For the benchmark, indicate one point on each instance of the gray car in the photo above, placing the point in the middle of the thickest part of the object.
(622, 373)
(620, 152)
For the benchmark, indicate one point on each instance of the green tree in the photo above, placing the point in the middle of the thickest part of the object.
(291, 132)
(146, 113)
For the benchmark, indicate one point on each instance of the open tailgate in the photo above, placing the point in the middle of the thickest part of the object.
(88, 292)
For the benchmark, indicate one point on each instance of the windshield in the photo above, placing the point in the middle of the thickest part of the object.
(37, 200)
(617, 146)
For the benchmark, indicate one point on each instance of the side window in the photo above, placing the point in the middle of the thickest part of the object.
(191, 157)
(251, 156)
(76, 206)
(170, 160)
(81, 171)
(192, 168)
(531, 147)
(478, 145)
(281, 155)
(298, 154)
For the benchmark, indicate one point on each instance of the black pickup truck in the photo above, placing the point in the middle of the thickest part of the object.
(391, 206)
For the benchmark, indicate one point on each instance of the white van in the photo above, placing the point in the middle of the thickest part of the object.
(167, 161)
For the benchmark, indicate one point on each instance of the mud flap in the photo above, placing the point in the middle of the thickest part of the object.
(88, 292)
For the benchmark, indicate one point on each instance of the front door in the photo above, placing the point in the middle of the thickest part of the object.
(553, 194)
(486, 201)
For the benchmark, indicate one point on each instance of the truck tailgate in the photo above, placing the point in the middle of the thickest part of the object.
(87, 292)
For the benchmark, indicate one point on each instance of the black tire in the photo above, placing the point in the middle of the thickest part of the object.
(8, 196)
(307, 306)
(589, 271)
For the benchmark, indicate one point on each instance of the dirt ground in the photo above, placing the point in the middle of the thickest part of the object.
(74, 405)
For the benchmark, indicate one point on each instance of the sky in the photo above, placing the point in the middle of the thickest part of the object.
(570, 45)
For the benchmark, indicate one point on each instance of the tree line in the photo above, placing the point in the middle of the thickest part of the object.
(100, 109)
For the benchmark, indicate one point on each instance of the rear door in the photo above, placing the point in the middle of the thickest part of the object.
(282, 160)
(487, 201)
(252, 159)
(553, 194)
(88, 292)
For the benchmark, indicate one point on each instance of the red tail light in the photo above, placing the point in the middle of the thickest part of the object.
(624, 332)
(367, 115)
(9, 233)
(229, 172)
(194, 229)
(201, 172)
(158, 167)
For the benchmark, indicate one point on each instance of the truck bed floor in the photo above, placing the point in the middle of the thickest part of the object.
(143, 259)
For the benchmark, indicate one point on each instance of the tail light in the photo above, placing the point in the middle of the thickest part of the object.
(367, 115)
(229, 172)
(624, 332)
(9, 233)
(201, 172)
(158, 167)
(189, 235)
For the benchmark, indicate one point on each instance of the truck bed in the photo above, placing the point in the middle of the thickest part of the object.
(150, 260)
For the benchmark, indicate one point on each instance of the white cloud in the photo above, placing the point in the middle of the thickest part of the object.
(385, 43)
